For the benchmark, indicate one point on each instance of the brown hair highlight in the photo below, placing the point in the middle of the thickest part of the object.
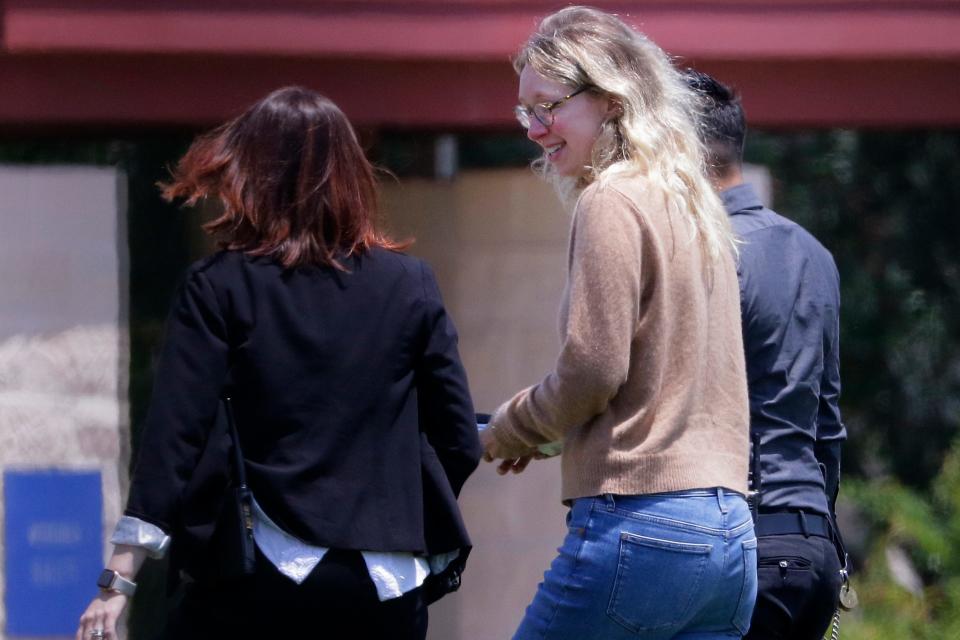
(292, 179)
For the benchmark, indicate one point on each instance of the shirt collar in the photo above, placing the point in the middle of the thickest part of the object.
(740, 198)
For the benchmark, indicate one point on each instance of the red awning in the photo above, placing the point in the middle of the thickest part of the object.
(432, 63)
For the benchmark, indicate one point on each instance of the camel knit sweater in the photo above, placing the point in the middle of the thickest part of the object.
(649, 391)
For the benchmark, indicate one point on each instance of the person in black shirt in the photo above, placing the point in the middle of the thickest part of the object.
(790, 305)
(352, 408)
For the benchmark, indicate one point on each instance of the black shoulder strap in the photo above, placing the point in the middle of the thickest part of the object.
(238, 466)
(755, 482)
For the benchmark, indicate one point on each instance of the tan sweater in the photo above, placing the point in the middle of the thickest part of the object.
(649, 391)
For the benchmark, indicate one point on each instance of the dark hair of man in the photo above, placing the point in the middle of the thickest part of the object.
(722, 123)
(292, 180)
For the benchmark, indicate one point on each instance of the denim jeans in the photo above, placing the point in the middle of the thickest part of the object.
(672, 565)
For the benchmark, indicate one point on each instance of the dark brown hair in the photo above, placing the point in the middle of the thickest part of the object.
(293, 181)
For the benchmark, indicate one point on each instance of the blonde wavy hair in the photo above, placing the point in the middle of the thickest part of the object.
(653, 129)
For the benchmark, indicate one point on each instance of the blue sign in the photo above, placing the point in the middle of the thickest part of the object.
(54, 549)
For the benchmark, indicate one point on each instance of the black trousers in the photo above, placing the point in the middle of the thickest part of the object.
(336, 601)
(799, 586)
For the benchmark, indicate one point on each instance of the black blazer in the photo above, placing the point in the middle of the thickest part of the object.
(351, 403)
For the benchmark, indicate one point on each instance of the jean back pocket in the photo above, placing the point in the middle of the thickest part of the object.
(656, 582)
(748, 588)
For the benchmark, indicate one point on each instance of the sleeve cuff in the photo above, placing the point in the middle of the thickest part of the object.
(504, 431)
(137, 533)
(441, 561)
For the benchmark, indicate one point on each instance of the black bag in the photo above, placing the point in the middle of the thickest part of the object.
(444, 529)
(232, 542)
(447, 581)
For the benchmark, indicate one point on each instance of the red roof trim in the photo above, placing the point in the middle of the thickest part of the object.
(194, 90)
(718, 30)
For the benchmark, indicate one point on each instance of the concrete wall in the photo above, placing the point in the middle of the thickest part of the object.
(497, 241)
(63, 346)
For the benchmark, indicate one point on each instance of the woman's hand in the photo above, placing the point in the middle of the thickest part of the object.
(493, 450)
(105, 610)
(102, 615)
(515, 465)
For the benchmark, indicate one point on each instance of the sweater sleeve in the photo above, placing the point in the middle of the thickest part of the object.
(599, 319)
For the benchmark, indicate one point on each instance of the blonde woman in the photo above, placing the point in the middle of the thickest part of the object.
(648, 395)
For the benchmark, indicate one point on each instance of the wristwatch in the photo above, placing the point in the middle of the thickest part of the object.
(110, 580)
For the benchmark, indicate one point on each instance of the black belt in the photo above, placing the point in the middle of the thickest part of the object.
(793, 522)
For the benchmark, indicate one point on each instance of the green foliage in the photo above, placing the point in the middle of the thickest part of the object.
(95, 151)
(887, 204)
(927, 528)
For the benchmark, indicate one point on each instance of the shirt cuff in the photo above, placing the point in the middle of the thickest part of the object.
(137, 533)
(441, 561)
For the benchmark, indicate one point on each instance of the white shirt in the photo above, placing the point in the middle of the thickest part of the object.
(394, 573)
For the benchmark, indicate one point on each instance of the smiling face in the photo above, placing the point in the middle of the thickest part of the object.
(568, 142)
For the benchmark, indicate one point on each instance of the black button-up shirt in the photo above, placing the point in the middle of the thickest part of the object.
(790, 304)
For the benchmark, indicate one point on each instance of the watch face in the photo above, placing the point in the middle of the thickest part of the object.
(105, 581)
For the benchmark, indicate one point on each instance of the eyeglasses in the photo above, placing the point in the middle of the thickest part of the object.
(543, 112)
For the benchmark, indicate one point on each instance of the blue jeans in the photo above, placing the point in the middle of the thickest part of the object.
(671, 565)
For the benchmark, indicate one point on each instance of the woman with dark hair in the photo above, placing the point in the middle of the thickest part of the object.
(351, 405)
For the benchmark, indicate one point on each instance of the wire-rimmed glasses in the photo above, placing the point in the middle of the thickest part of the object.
(543, 112)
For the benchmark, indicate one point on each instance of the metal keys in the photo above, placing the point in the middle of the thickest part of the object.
(848, 598)
(848, 595)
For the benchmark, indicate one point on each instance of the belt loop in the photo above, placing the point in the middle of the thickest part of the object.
(720, 501)
(803, 524)
(610, 502)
